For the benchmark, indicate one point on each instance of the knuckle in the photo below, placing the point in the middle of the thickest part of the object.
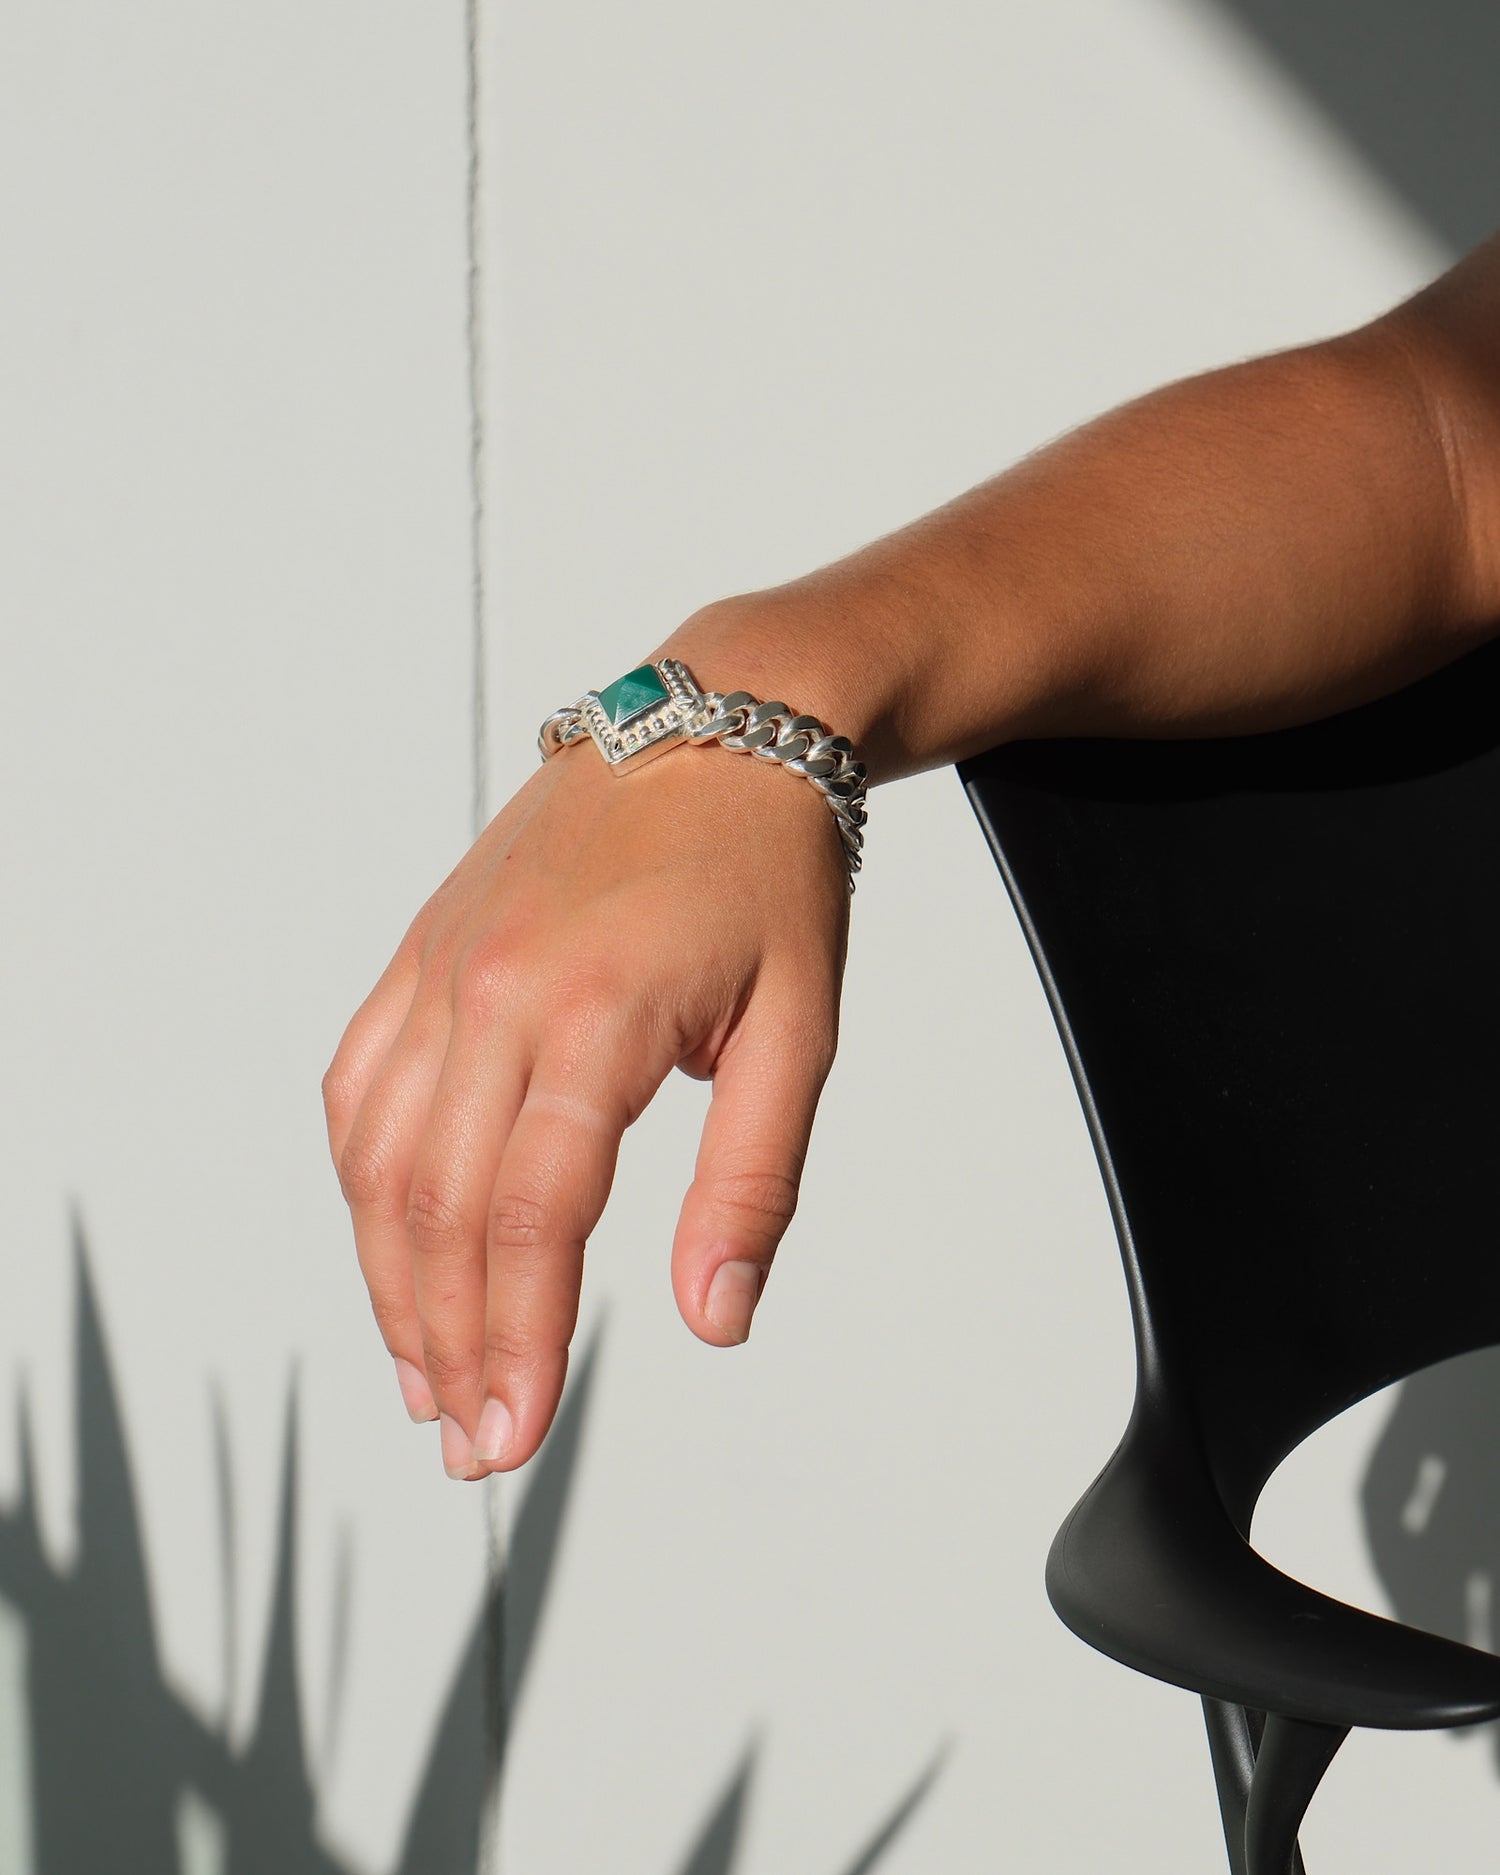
(594, 1026)
(487, 980)
(450, 1367)
(764, 1200)
(508, 1351)
(365, 1171)
(584, 995)
(525, 1361)
(518, 1222)
(437, 950)
(338, 1093)
(435, 1215)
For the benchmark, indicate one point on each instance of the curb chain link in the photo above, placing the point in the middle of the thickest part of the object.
(742, 724)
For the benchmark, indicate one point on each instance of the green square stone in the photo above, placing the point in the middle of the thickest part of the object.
(627, 696)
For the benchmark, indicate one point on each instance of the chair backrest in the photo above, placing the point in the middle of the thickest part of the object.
(1274, 962)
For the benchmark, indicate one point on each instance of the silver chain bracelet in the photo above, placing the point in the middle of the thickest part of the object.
(658, 706)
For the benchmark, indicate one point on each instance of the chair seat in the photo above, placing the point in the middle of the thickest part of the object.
(1150, 1569)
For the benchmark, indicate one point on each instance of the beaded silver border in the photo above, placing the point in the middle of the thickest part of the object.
(649, 731)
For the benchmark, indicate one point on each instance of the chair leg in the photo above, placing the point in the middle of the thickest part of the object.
(1290, 1761)
(1231, 1745)
(1234, 1736)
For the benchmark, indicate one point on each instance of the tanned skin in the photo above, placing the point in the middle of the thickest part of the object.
(1247, 549)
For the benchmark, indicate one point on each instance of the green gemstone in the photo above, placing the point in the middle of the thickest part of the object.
(627, 696)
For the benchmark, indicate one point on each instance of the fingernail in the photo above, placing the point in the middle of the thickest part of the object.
(415, 1391)
(496, 1430)
(732, 1296)
(458, 1455)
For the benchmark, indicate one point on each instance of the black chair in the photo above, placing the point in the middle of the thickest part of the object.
(1272, 960)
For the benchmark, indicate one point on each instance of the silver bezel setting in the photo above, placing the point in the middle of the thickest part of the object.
(651, 731)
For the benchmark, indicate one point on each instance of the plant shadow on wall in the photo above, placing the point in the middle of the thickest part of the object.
(1431, 1503)
(124, 1774)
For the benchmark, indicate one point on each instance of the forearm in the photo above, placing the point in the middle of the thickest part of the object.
(1245, 549)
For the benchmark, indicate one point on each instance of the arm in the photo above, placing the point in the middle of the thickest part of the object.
(1253, 547)
(1246, 549)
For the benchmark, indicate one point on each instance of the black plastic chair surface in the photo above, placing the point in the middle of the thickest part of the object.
(1271, 960)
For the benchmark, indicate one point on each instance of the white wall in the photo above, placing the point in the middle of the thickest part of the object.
(758, 283)
(233, 658)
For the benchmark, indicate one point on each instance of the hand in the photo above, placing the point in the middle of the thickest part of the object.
(602, 930)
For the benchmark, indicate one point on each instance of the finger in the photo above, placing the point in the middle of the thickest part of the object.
(375, 1171)
(366, 1042)
(551, 1188)
(474, 1108)
(749, 1168)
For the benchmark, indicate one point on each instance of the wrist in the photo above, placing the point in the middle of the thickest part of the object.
(797, 649)
(912, 658)
(658, 706)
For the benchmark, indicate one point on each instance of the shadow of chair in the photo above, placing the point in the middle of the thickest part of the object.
(1271, 960)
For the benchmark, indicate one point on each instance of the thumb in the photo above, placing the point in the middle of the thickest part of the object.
(766, 1085)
